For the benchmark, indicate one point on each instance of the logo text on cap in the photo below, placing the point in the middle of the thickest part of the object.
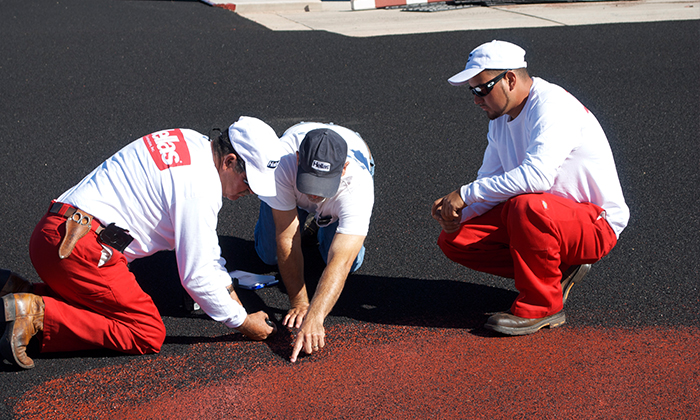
(273, 164)
(321, 166)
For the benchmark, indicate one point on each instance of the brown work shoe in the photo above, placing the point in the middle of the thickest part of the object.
(509, 324)
(573, 275)
(24, 314)
(13, 283)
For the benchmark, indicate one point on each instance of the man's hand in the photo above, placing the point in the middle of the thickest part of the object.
(295, 316)
(310, 337)
(256, 326)
(448, 211)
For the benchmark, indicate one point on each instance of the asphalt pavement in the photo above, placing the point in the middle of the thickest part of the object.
(79, 79)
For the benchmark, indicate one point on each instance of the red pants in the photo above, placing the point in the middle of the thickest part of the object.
(532, 238)
(87, 306)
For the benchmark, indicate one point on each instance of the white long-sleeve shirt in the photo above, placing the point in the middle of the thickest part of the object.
(554, 145)
(165, 190)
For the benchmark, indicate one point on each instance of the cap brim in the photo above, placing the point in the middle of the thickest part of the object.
(311, 184)
(464, 76)
(261, 184)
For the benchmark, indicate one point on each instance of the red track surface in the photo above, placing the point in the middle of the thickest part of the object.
(371, 371)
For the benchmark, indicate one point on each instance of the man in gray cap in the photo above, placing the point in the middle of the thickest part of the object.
(327, 172)
(547, 201)
(160, 192)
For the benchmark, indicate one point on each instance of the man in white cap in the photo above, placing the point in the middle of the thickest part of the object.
(161, 192)
(547, 200)
(327, 172)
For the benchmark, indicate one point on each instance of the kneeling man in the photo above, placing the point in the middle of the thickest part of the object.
(327, 171)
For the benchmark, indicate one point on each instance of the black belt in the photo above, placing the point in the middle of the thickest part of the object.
(111, 235)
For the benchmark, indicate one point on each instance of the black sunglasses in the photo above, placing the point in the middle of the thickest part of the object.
(485, 88)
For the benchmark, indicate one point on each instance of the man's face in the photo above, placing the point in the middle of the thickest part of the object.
(497, 102)
(234, 184)
(316, 199)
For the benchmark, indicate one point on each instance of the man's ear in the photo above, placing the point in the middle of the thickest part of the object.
(512, 79)
(230, 161)
(345, 167)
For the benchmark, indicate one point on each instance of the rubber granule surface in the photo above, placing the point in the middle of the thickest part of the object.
(390, 372)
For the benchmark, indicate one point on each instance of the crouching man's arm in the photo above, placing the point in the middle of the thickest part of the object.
(342, 254)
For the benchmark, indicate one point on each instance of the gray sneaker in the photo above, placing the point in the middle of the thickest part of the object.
(573, 275)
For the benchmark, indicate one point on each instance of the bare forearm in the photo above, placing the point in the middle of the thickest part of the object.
(342, 254)
(291, 265)
(341, 257)
(328, 291)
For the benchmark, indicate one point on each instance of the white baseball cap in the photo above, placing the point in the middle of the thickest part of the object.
(258, 145)
(494, 55)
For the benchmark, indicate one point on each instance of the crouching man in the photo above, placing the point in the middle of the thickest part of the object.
(547, 201)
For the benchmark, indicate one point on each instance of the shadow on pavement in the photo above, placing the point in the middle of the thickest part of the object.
(398, 301)
(365, 298)
(420, 303)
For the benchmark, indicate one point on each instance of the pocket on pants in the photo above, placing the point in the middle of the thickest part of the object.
(105, 255)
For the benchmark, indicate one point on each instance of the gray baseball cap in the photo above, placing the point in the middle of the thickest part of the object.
(322, 156)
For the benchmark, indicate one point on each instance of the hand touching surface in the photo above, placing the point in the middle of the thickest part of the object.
(256, 326)
(310, 338)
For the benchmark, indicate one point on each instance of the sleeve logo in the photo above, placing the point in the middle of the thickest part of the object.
(168, 149)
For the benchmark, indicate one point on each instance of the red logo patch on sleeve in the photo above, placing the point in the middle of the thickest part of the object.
(168, 149)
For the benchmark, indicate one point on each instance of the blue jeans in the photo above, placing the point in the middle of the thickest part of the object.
(266, 241)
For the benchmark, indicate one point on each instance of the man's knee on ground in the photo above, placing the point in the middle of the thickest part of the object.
(151, 339)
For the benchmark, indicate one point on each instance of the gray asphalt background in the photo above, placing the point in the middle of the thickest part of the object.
(79, 79)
